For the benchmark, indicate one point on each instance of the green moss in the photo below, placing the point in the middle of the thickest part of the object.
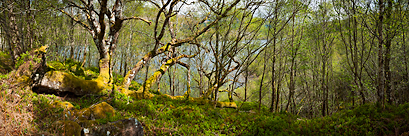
(56, 65)
(226, 105)
(99, 111)
(137, 94)
(24, 79)
(102, 110)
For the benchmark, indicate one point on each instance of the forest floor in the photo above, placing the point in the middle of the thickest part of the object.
(24, 112)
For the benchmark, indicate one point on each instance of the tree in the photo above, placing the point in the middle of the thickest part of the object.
(383, 26)
(95, 23)
(168, 11)
(324, 38)
(352, 34)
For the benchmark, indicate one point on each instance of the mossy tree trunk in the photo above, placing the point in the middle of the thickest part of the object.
(159, 73)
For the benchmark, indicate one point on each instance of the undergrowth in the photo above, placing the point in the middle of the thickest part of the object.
(24, 112)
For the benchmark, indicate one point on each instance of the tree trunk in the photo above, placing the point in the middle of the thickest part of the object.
(380, 77)
(273, 89)
(262, 80)
(159, 73)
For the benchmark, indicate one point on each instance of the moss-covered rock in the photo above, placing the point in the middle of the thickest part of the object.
(67, 128)
(99, 111)
(102, 110)
(59, 81)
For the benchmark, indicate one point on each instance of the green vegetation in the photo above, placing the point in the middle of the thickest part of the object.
(235, 67)
(164, 116)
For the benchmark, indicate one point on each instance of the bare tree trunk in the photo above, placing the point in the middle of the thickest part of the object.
(262, 80)
(71, 36)
(380, 78)
(84, 59)
(273, 89)
(246, 76)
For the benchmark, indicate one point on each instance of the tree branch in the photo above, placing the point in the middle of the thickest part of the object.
(138, 18)
(76, 20)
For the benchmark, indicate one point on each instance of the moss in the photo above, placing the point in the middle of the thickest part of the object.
(89, 74)
(104, 72)
(83, 114)
(175, 97)
(99, 111)
(24, 79)
(226, 105)
(42, 49)
(137, 94)
(102, 110)
(199, 100)
(56, 65)
(67, 127)
(64, 105)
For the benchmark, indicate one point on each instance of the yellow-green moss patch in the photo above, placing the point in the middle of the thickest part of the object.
(99, 111)
(226, 105)
(137, 94)
(102, 110)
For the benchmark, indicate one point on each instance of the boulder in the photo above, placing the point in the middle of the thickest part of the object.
(126, 127)
(63, 82)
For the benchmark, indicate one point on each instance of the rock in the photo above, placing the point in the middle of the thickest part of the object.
(126, 127)
(102, 110)
(62, 82)
(99, 111)
(67, 128)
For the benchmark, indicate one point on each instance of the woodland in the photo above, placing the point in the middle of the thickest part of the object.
(204, 67)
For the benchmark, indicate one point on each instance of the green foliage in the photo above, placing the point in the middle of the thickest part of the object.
(23, 57)
(75, 68)
(247, 106)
